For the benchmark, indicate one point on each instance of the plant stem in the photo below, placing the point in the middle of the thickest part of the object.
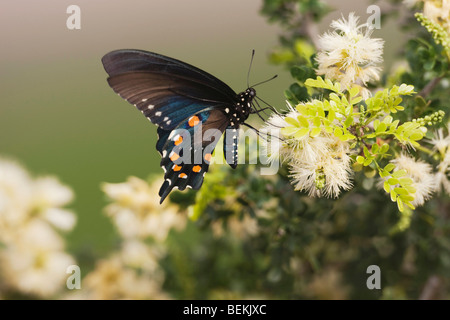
(430, 86)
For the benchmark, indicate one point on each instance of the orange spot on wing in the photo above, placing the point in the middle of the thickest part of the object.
(179, 140)
(193, 121)
(208, 157)
(174, 156)
(176, 168)
(196, 169)
(182, 175)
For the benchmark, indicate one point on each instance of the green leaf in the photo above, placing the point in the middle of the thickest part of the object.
(386, 187)
(353, 91)
(410, 189)
(301, 133)
(303, 121)
(399, 173)
(375, 148)
(392, 181)
(400, 204)
(401, 191)
(389, 167)
(360, 159)
(356, 100)
(376, 123)
(289, 131)
(383, 173)
(393, 195)
(338, 132)
(416, 135)
(405, 181)
(366, 152)
(406, 198)
(315, 131)
(381, 128)
(348, 122)
(384, 148)
(331, 115)
(317, 122)
(292, 121)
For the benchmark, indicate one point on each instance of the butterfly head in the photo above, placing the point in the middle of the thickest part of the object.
(251, 92)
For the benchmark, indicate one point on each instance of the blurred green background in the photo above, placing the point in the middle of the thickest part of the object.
(58, 115)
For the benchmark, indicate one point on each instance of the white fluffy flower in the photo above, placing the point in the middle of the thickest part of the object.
(319, 165)
(32, 256)
(421, 174)
(273, 147)
(438, 11)
(441, 144)
(23, 198)
(349, 55)
(112, 279)
(136, 211)
(36, 263)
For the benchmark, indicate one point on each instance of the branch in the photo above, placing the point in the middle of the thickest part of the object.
(432, 288)
(430, 86)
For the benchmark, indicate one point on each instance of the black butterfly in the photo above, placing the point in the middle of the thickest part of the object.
(183, 101)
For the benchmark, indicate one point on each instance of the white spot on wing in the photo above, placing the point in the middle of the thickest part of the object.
(150, 106)
(158, 113)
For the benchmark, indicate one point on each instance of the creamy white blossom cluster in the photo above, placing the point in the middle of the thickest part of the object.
(136, 212)
(320, 165)
(439, 12)
(441, 145)
(349, 55)
(133, 271)
(33, 260)
(421, 174)
(427, 179)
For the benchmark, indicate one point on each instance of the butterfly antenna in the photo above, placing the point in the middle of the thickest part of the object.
(264, 81)
(250, 67)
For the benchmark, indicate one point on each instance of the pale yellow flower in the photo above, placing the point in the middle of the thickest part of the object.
(439, 12)
(136, 211)
(112, 279)
(32, 257)
(36, 263)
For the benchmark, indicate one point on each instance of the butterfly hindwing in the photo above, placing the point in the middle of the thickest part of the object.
(186, 151)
